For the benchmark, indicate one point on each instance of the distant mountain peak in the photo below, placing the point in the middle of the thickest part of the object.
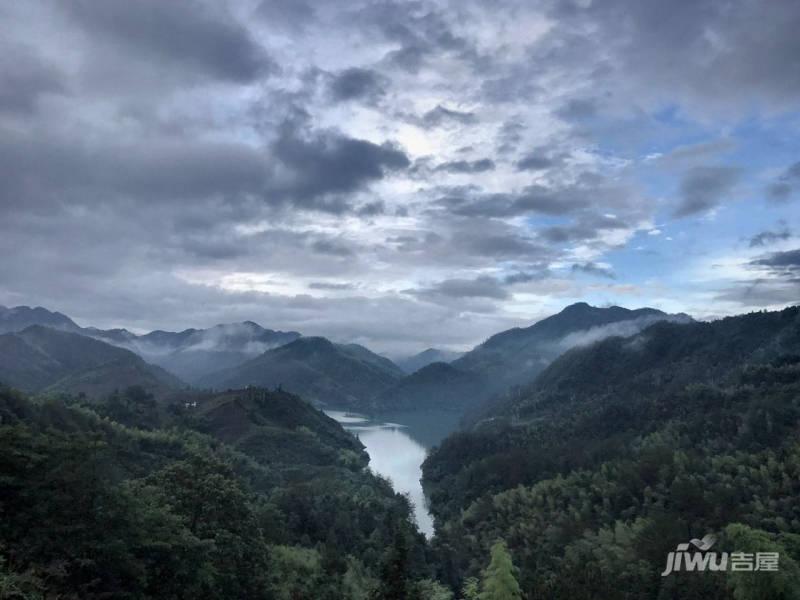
(20, 317)
(410, 364)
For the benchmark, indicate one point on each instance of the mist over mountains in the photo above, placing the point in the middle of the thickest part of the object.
(236, 355)
(43, 359)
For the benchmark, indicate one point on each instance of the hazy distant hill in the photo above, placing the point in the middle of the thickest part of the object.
(194, 353)
(435, 386)
(409, 364)
(664, 357)
(189, 354)
(22, 317)
(317, 370)
(40, 358)
(517, 356)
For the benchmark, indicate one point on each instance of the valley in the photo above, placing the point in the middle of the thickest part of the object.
(596, 430)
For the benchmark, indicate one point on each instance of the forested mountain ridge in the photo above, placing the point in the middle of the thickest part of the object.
(41, 358)
(21, 317)
(411, 364)
(339, 375)
(94, 509)
(193, 353)
(621, 450)
(437, 385)
(517, 355)
(514, 357)
(189, 354)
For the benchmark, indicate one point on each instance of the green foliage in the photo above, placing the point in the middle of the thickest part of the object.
(93, 509)
(471, 589)
(623, 450)
(428, 589)
(499, 579)
(783, 584)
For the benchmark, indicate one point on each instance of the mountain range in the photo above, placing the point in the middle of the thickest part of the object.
(41, 359)
(338, 375)
(349, 376)
(192, 353)
(415, 362)
(516, 356)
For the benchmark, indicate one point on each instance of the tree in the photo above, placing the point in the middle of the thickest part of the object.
(782, 584)
(394, 570)
(499, 578)
(471, 591)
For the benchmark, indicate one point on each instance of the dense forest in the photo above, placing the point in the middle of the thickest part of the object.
(246, 495)
(622, 450)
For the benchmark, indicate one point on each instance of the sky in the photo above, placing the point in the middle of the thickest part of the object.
(397, 174)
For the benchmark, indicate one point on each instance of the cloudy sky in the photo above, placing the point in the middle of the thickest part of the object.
(400, 174)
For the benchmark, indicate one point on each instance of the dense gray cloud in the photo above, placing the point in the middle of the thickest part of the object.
(784, 264)
(591, 268)
(24, 78)
(777, 282)
(467, 166)
(396, 173)
(479, 287)
(446, 116)
(194, 36)
(786, 185)
(292, 14)
(356, 83)
(768, 237)
(322, 164)
(709, 53)
(704, 188)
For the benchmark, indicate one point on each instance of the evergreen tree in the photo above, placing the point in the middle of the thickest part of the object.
(499, 578)
(470, 591)
(394, 571)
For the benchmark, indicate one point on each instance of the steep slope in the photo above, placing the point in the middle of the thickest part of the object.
(318, 370)
(628, 447)
(276, 427)
(664, 357)
(515, 357)
(22, 317)
(175, 513)
(413, 363)
(40, 358)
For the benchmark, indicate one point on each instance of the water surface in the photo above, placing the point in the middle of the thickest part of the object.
(397, 443)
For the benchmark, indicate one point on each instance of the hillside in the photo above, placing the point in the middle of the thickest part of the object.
(189, 354)
(43, 359)
(625, 448)
(415, 362)
(318, 370)
(193, 353)
(515, 357)
(276, 427)
(285, 510)
(22, 317)
(434, 386)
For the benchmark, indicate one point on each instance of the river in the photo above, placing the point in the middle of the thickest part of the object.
(397, 444)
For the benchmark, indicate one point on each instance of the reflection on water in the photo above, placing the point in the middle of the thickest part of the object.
(397, 444)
